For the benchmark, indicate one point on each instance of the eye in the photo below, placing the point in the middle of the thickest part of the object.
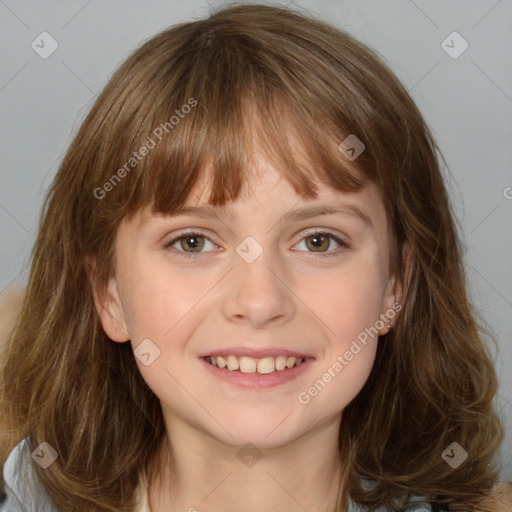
(320, 241)
(189, 243)
(192, 243)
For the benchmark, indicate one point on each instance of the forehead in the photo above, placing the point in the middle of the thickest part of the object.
(268, 192)
(265, 176)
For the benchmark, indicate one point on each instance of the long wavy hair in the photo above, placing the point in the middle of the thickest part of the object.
(210, 92)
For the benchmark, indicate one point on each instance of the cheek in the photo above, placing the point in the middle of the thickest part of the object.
(158, 299)
(337, 378)
(355, 319)
(349, 308)
(347, 363)
(165, 307)
(349, 301)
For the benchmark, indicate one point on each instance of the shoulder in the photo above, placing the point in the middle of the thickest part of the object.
(415, 505)
(26, 494)
(502, 494)
(499, 501)
(22, 487)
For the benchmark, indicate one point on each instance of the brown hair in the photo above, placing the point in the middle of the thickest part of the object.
(289, 79)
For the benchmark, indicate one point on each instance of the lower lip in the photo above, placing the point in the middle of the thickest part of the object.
(257, 380)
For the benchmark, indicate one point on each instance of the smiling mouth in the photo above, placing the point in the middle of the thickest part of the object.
(264, 365)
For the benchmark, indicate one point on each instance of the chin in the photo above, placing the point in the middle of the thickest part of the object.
(267, 433)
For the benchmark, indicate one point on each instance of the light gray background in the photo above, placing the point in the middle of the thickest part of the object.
(467, 101)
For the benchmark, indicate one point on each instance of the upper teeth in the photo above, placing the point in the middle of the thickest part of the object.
(250, 365)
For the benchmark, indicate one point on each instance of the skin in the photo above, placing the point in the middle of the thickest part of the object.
(289, 297)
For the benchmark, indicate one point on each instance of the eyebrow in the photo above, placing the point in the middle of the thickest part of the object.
(299, 214)
(315, 211)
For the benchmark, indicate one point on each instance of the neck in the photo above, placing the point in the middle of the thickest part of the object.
(204, 475)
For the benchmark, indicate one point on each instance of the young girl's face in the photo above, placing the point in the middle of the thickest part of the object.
(255, 281)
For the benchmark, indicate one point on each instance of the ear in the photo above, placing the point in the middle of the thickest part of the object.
(108, 305)
(395, 292)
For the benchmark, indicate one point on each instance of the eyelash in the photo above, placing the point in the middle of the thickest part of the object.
(186, 234)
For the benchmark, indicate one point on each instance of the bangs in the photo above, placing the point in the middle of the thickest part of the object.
(227, 145)
(215, 108)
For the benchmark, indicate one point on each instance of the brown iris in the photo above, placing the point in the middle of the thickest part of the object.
(195, 243)
(318, 241)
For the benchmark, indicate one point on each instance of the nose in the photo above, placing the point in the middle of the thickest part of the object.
(258, 292)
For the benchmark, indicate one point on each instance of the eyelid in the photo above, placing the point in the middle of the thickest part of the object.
(325, 231)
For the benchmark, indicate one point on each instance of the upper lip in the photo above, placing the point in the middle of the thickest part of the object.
(256, 353)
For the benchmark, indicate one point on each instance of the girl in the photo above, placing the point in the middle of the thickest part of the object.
(247, 292)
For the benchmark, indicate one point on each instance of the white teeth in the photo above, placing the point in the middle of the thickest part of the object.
(233, 363)
(266, 365)
(250, 365)
(247, 364)
(280, 363)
